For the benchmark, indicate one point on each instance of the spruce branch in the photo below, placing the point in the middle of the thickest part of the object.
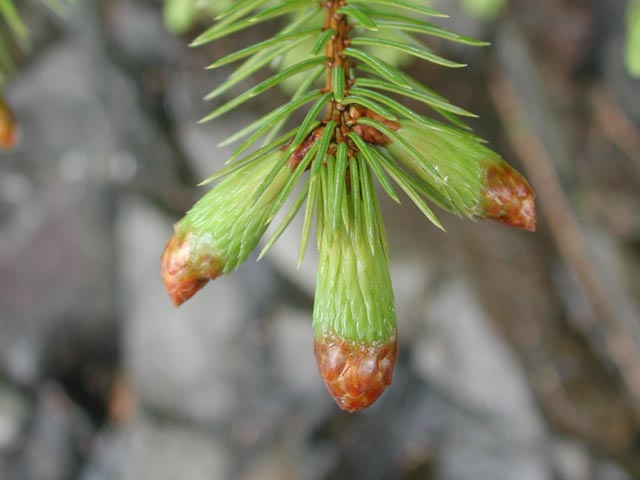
(351, 133)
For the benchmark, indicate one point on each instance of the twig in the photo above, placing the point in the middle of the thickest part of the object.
(616, 126)
(605, 332)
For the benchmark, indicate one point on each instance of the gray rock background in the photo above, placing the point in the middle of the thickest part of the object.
(507, 370)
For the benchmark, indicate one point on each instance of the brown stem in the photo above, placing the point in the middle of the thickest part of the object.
(345, 118)
(336, 58)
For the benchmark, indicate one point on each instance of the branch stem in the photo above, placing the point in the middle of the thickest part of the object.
(336, 45)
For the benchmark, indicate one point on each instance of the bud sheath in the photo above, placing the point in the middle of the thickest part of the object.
(354, 317)
(464, 176)
(221, 229)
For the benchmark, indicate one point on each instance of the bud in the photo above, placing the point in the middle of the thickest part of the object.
(465, 177)
(8, 129)
(355, 373)
(221, 229)
(353, 316)
(507, 197)
(187, 265)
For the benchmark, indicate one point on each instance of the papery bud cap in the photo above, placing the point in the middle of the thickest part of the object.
(508, 198)
(355, 373)
(185, 270)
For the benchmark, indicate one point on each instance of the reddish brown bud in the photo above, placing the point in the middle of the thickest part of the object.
(8, 129)
(304, 148)
(370, 134)
(185, 270)
(355, 374)
(508, 198)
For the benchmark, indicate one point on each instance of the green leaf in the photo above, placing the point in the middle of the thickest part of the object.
(396, 106)
(279, 142)
(283, 8)
(415, 85)
(381, 67)
(266, 122)
(286, 221)
(398, 22)
(404, 181)
(423, 97)
(405, 5)
(251, 66)
(240, 8)
(297, 173)
(339, 184)
(354, 98)
(381, 231)
(360, 17)
(408, 113)
(302, 90)
(296, 22)
(311, 117)
(356, 199)
(439, 182)
(229, 169)
(305, 129)
(323, 198)
(264, 86)
(367, 189)
(282, 161)
(258, 47)
(338, 83)
(322, 41)
(308, 218)
(406, 48)
(323, 148)
(366, 150)
(329, 194)
(219, 30)
(245, 145)
(246, 160)
(222, 29)
(423, 188)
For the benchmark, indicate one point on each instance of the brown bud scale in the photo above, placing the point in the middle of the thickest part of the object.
(304, 148)
(8, 129)
(370, 134)
(184, 273)
(508, 198)
(355, 374)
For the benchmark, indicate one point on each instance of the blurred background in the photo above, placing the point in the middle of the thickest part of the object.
(519, 353)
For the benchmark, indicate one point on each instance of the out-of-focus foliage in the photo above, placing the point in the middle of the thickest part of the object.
(11, 16)
(16, 36)
(484, 9)
(632, 54)
(17, 29)
(180, 15)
